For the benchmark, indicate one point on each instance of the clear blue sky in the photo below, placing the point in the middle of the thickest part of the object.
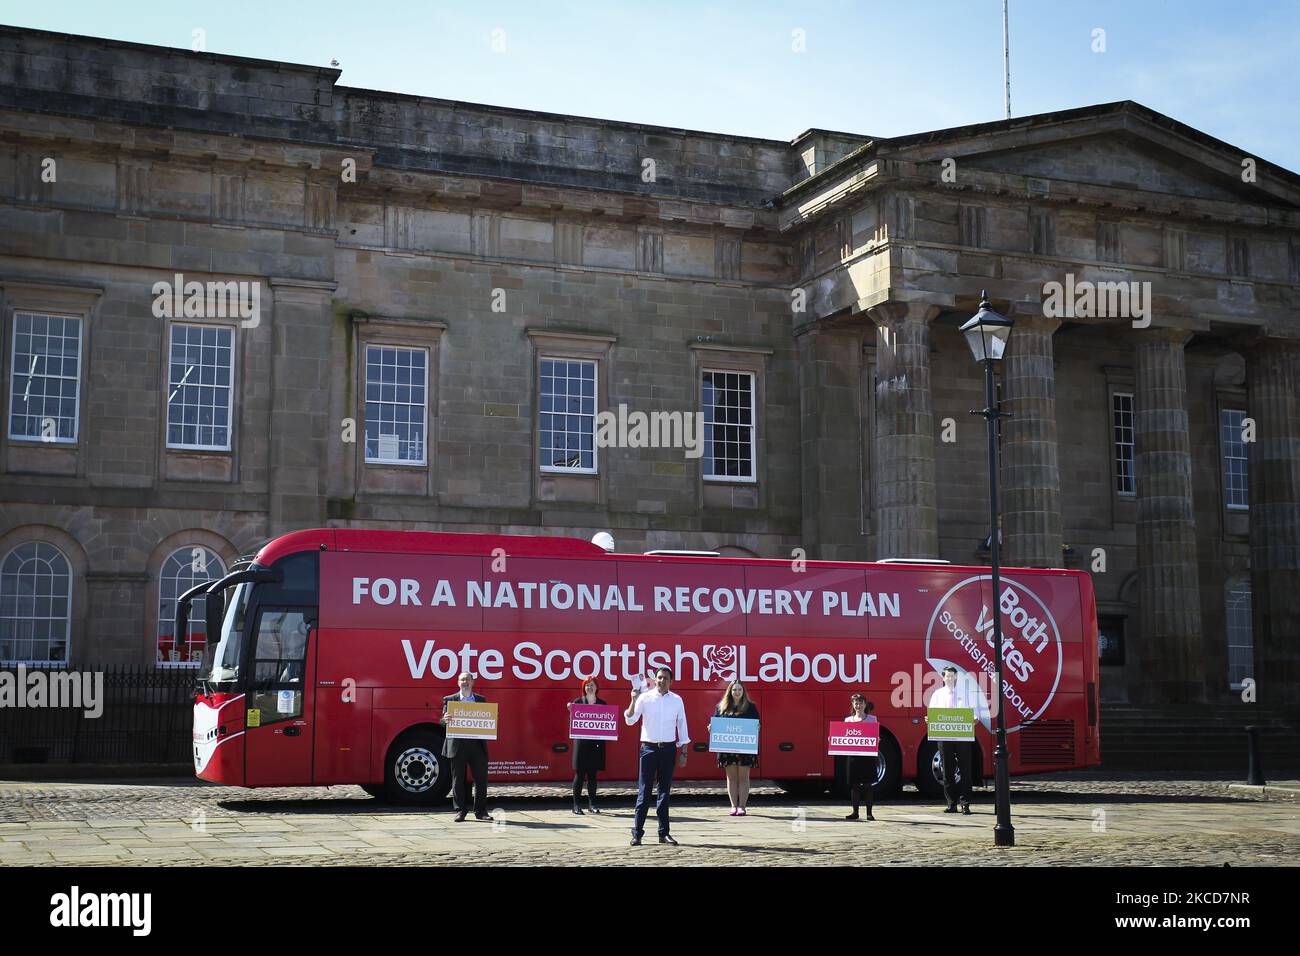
(1231, 69)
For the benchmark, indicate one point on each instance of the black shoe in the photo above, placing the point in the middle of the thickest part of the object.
(591, 807)
(965, 808)
(852, 816)
(869, 816)
(460, 816)
(636, 841)
(951, 808)
(577, 809)
(487, 817)
(665, 838)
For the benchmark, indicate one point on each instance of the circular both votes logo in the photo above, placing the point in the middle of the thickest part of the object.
(961, 633)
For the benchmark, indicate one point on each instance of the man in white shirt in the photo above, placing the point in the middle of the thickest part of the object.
(663, 731)
(956, 755)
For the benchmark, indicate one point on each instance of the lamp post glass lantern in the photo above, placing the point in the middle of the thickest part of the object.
(987, 333)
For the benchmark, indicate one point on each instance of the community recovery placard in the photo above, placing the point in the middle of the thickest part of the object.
(854, 738)
(733, 735)
(950, 723)
(471, 721)
(593, 722)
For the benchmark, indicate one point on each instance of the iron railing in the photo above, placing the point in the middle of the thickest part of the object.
(145, 718)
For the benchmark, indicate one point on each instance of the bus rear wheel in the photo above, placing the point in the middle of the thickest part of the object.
(889, 771)
(929, 769)
(416, 772)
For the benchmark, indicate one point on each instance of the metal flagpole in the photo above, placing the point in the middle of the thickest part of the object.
(1006, 56)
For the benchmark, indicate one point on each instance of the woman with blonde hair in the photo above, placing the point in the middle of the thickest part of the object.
(736, 703)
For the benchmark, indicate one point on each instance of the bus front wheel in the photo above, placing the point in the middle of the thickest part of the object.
(416, 772)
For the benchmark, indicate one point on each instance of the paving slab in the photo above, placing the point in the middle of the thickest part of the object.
(1119, 820)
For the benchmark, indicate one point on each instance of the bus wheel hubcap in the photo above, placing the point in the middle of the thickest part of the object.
(417, 768)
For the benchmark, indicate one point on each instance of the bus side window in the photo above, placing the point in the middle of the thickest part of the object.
(279, 663)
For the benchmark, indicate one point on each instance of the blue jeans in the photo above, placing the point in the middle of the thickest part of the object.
(656, 762)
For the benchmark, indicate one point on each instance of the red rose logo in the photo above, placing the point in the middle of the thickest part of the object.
(721, 659)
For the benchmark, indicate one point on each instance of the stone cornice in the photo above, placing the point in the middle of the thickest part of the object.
(1065, 193)
(720, 347)
(549, 334)
(475, 192)
(564, 267)
(411, 323)
(148, 143)
(1137, 272)
(52, 292)
(873, 179)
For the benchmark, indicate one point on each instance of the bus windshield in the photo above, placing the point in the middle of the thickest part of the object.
(221, 659)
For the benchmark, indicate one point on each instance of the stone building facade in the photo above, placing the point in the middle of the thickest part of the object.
(436, 280)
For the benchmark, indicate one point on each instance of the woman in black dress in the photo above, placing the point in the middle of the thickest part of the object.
(862, 770)
(736, 703)
(588, 755)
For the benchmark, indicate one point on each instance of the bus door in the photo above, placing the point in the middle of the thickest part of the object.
(278, 721)
(792, 735)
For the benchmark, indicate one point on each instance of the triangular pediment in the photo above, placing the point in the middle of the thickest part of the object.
(1124, 146)
(1124, 161)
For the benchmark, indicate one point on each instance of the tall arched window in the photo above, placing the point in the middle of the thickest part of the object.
(184, 568)
(1241, 644)
(35, 605)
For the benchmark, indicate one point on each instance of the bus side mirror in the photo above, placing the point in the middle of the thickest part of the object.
(214, 610)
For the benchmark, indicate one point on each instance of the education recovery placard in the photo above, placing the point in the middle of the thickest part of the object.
(467, 720)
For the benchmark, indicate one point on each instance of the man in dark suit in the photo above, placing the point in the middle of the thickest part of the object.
(466, 753)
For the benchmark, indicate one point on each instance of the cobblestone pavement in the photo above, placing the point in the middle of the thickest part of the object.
(1064, 819)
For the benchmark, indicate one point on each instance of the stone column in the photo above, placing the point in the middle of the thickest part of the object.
(906, 521)
(1170, 663)
(830, 375)
(1031, 481)
(300, 385)
(1273, 381)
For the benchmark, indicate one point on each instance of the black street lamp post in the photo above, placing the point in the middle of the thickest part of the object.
(987, 334)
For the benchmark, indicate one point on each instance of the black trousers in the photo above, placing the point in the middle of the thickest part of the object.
(578, 776)
(474, 758)
(656, 763)
(862, 774)
(956, 756)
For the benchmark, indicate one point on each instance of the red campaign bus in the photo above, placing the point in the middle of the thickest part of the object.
(327, 659)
